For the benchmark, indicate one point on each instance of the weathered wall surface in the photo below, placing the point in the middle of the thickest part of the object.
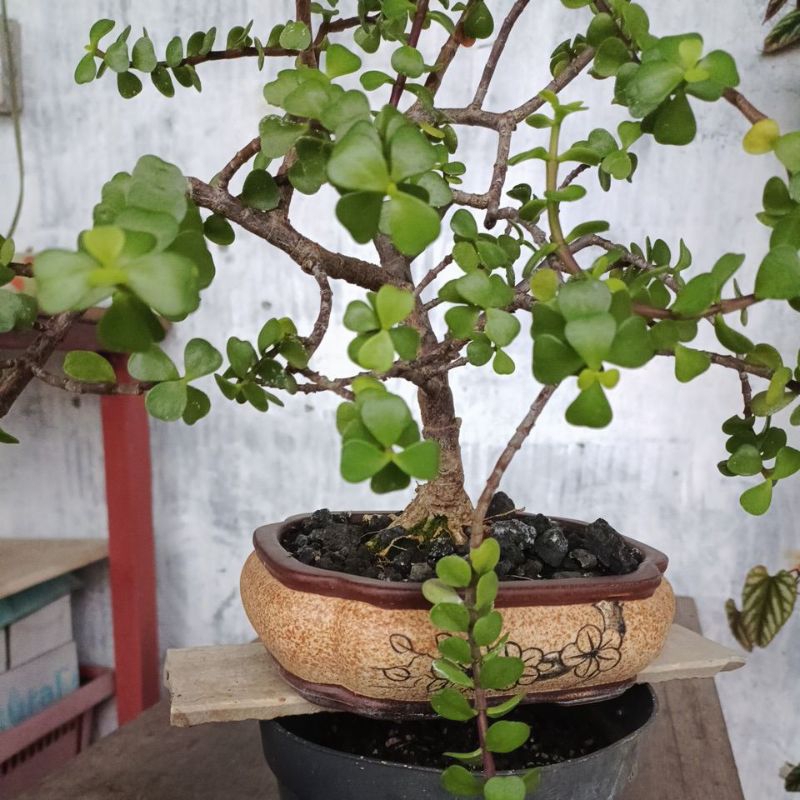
(651, 474)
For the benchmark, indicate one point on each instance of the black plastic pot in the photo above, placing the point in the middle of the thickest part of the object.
(299, 753)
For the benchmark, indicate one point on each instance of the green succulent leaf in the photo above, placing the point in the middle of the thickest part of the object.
(89, 367)
(505, 787)
(386, 416)
(451, 704)
(501, 672)
(505, 736)
(485, 557)
(412, 223)
(361, 460)
(452, 617)
(454, 571)
(167, 401)
(487, 629)
(436, 591)
(152, 366)
(756, 501)
(590, 408)
(460, 782)
(690, 363)
(420, 460)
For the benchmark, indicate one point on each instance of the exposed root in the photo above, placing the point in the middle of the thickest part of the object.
(440, 500)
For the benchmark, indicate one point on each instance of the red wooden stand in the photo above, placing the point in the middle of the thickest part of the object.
(131, 550)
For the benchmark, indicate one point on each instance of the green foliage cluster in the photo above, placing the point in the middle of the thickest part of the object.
(397, 178)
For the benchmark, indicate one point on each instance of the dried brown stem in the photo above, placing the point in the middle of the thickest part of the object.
(515, 443)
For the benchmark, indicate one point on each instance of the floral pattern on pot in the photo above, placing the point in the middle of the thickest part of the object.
(596, 648)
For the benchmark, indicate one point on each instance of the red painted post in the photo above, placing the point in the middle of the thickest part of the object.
(131, 550)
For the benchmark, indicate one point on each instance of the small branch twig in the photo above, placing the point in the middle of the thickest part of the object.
(431, 275)
(578, 171)
(499, 172)
(277, 230)
(497, 50)
(225, 175)
(747, 393)
(413, 39)
(740, 102)
(324, 316)
(79, 387)
(14, 380)
(514, 444)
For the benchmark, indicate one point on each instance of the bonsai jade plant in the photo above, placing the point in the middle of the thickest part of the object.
(593, 307)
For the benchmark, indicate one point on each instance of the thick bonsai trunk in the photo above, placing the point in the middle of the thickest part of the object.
(445, 496)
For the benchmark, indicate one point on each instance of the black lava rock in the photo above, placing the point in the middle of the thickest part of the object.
(516, 533)
(504, 568)
(540, 522)
(501, 504)
(532, 568)
(440, 547)
(583, 558)
(306, 555)
(420, 572)
(612, 551)
(552, 546)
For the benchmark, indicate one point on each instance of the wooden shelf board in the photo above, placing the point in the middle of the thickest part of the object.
(26, 562)
(230, 683)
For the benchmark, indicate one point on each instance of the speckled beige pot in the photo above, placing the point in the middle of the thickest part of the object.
(350, 642)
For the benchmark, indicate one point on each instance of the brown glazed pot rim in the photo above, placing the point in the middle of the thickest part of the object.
(637, 585)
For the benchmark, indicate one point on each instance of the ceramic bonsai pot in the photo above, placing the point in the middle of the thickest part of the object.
(299, 753)
(355, 643)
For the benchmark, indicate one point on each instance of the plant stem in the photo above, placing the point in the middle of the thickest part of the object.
(479, 695)
(514, 444)
(556, 233)
(12, 75)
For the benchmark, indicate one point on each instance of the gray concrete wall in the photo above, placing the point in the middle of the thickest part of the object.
(651, 473)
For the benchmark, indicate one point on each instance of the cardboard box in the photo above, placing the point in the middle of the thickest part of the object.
(40, 632)
(31, 687)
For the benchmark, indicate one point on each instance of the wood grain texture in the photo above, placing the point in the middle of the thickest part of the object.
(26, 562)
(230, 683)
(686, 756)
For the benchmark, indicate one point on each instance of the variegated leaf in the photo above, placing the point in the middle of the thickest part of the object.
(773, 7)
(736, 625)
(767, 602)
(785, 33)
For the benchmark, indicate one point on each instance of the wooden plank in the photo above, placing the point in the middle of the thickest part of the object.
(687, 754)
(231, 683)
(26, 562)
(150, 759)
